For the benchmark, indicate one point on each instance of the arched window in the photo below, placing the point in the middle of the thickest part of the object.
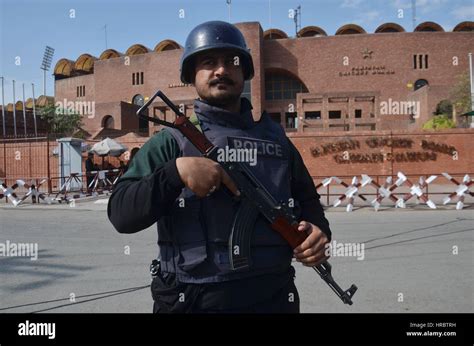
(389, 28)
(311, 31)
(137, 49)
(166, 45)
(274, 34)
(108, 122)
(138, 100)
(281, 85)
(85, 64)
(350, 29)
(464, 26)
(429, 26)
(420, 83)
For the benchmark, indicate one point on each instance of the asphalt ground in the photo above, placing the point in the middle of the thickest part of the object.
(415, 260)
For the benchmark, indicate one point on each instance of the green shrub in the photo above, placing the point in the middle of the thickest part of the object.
(439, 122)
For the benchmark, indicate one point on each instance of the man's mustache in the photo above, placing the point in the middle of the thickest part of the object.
(221, 80)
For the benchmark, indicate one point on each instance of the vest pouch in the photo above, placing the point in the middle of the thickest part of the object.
(189, 234)
(219, 210)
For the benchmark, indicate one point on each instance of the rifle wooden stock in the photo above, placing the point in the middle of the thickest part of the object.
(289, 232)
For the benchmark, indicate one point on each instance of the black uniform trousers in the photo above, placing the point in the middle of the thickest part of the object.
(269, 293)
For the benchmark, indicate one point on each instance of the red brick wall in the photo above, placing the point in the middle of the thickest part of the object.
(28, 160)
(436, 161)
(253, 35)
(32, 162)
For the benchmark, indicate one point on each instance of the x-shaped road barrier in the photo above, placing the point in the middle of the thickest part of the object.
(9, 192)
(387, 192)
(33, 191)
(325, 182)
(101, 185)
(352, 191)
(461, 191)
(416, 190)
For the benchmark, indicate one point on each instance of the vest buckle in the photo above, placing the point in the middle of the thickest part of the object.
(155, 268)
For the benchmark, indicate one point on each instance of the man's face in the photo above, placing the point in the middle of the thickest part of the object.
(219, 77)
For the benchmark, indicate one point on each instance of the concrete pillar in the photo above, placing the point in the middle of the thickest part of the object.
(351, 113)
(324, 113)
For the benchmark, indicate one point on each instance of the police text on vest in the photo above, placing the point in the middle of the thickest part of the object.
(263, 147)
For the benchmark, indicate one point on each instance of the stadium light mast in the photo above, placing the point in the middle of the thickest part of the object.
(413, 13)
(46, 64)
(297, 19)
(229, 5)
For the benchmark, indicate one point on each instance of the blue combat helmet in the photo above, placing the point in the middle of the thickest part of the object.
(214, 35)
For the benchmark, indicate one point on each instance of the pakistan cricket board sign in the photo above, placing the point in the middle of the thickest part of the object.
(343, 151)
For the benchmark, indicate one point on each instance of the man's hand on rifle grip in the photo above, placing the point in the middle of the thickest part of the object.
(203, 176)
(312, 251)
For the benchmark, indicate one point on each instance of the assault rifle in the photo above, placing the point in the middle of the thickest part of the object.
(255, 200)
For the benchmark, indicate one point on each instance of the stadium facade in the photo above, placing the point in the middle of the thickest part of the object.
(351, 81)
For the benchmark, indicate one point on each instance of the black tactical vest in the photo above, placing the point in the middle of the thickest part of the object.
(193, 237)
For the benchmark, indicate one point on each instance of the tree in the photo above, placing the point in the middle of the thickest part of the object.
(439, 122)
(60, 121)
(461, 94)
(444, 107)
(460, 99)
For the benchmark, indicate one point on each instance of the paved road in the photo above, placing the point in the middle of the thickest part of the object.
(408, 252)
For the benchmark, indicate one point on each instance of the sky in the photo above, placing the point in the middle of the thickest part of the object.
(74, 27)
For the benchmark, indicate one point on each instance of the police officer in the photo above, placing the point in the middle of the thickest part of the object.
(192, 198)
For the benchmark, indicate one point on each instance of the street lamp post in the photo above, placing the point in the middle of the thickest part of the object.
(3, 111)
(14, 109)
(34, 108)
(24, 110)
(472, 87)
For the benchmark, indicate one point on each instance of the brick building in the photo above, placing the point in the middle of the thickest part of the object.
(387, 80)
(351, 103)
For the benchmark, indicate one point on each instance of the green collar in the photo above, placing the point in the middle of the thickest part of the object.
(195, 121)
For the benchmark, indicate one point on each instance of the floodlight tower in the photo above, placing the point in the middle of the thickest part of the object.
(297, 19)
(229, 5)
(45, 66)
